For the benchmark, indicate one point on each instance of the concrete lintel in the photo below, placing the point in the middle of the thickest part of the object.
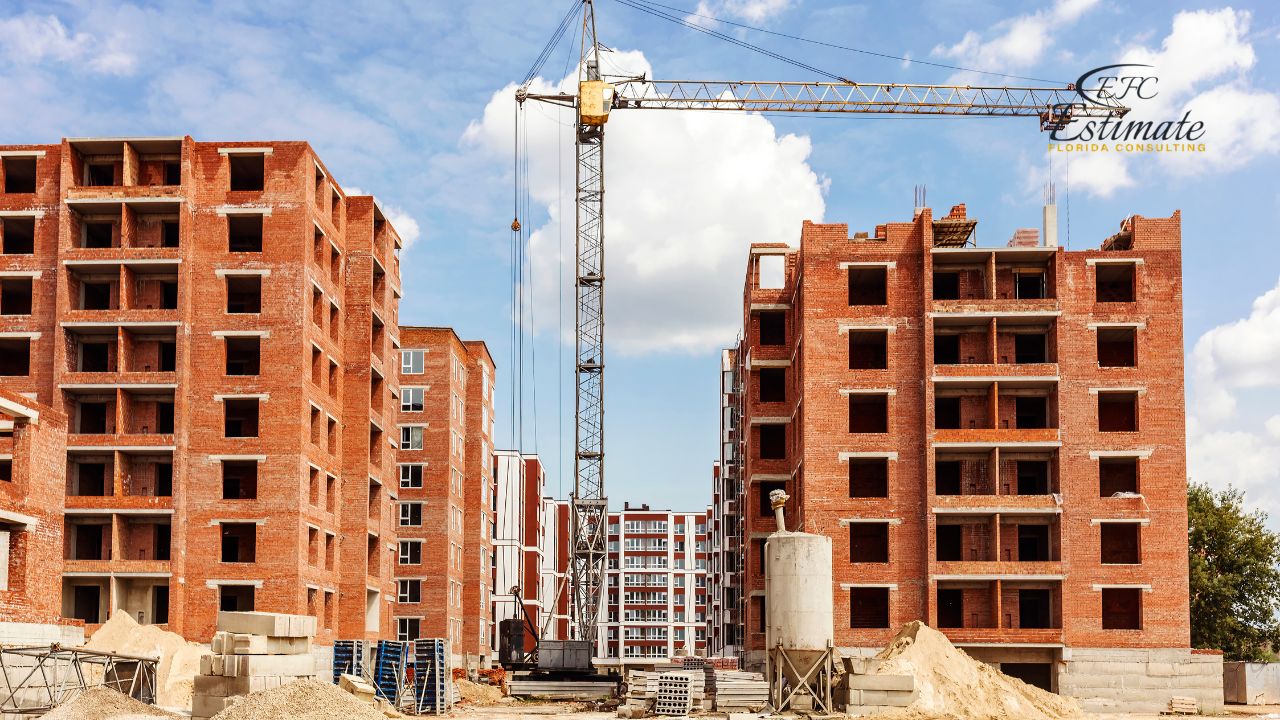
(224, 334)
(264, 150)
(225, 210)
(121, 323)
(1099, 587)
(759, 307)
(850, 586)
(770, 420)
(244, 458)
(121, 386)
(845, 522)
(1016, 445)
(887, 264)
(997, 510)
(847, 456)
(237, 521)
(19, 334)
(1015, 577)
(124, 261)
(869, 391)
(1129, 388)
(33, 274)
(1131, 521)
(769, 477)
(242, 396)
(121, 448)
(22, 153)
(945, 379)
(37, 214)
(1142, 454)
(116, 574)
(772, 250)
(19, 410)
(16, 518)
(162, 200)
(1115, 261)
(1136, 325)
(770, 363)
(119, 511)
(988, 314)
(846, 327)
(223, 272)
(215, 584)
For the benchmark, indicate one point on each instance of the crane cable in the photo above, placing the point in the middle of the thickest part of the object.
(872, 53)
(547, 50)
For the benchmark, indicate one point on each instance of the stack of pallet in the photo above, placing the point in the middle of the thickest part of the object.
(736, 691)
(252, 651)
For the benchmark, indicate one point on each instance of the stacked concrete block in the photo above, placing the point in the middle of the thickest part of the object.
(675, 696)
(1121, 680)
(869, 692)
(252, 651)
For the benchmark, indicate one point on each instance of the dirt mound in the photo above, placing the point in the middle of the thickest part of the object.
(478, 694)
(179, 659)
(301, 700)
(953, 685)
(101, 703)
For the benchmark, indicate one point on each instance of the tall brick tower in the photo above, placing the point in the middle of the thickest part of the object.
(992, 437)
(218, 322)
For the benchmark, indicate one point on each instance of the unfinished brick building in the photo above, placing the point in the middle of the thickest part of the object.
(445, 509)
(992, 437)
(217, 321)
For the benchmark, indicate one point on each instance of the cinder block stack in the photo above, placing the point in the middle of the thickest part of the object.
(870, 692)
(252, 651)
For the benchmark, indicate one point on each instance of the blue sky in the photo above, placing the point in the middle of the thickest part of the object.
(408, 101)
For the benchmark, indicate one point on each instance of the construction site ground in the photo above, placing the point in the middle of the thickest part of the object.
(518, 711)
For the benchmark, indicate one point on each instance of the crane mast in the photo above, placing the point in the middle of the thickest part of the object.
(595, 99)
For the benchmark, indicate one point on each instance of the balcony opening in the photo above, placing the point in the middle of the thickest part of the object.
(100, 174)
(19, 235)
(1034, 674)
(1030, 412)
(946, 349)
(15, 296)
(1035, 609)
(91, 418)
(1030, 285)
(168, 294)
(244, 233)
(950, 608)
(946, 413)
(239, 542)
(1033, 477)
(869, 542)
(166, 356)
(763, 488)
(164, 479)
(169, 233)
(947, 477)
(240, 417)
(868, 286)
(1117, 475)
(19, 174)
(869, 608)
(92, 542)
(96, 296)
(946, 285)
(244, 294)
(86, 603)
(164, 417)
(1117, 412)
(773, 441)
(868, 413)
(1121, 543)
(1115, 283)
(248, 171)
(949, 543)
(239, 479)
(235, 598)
(335, 207)
(771, 272)
(868, 349)
(1121, 608)
(1033, 543)
(243, 355)
(90, 479)
(773, 385)
(868, 477)
(1030, 348)
(1117, 347)
(98, 235)
(773, 327)
(6, 470)
(15, 357)
(172, 172)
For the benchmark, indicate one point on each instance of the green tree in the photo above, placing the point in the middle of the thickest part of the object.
(1235, 575)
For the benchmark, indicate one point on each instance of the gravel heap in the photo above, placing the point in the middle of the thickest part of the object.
(103, 703)
(301, 700)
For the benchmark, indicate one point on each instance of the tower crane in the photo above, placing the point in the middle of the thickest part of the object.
(596, 98)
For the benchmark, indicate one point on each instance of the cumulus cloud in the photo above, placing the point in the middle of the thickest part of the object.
(33, 39)
(1234, 367)
(687, 193)
(1016, 43)
(751, 11)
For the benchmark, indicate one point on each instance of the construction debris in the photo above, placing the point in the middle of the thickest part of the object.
(947, 683)
(304, 699)
(254, 652)
(179, 660)
(103, 703)
(478, 694)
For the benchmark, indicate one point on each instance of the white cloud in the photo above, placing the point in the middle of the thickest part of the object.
(687, 193)
(1235, 364)
(1015, 43)
(750, 11)
(33, 39)
(1099, 174)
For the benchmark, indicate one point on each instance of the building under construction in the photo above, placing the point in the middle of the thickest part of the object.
(992, 437)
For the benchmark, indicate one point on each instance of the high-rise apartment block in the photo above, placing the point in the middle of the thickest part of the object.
(217, 321)
(992, 437)
(445, 516)
(656, 587)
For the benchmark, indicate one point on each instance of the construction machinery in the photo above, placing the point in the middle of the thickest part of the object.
(597, 97)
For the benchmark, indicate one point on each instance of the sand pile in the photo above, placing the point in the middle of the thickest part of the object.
(301, 700)
(101, 703)
(179, 659)
(478, 694)
(953, 685)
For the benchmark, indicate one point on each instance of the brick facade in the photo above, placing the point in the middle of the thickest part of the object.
(179, 292)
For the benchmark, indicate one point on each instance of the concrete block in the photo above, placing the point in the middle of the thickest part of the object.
(247, 665)
(269, 624)
(862, 665)
(210, 705)
(899, 683)
(1159, 669)
(219, 686)
(354, 685)
(890, 698)
(227, 643)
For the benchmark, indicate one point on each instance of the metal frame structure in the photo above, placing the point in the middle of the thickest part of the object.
(37, 679)
(1054, 107)
(814, 679)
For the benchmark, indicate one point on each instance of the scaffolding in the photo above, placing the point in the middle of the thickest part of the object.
(37, 679)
